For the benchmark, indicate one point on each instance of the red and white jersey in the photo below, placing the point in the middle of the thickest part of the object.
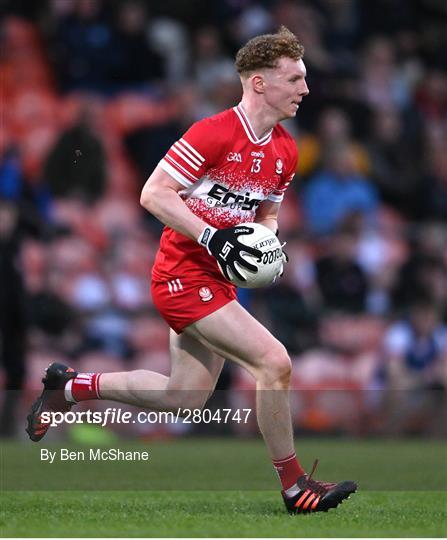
(226, 172)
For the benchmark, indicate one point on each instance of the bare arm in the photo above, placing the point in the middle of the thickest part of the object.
(267, 215)
(160, 197)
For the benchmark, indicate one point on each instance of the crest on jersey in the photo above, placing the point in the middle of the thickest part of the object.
(206, 294)
(278, 166)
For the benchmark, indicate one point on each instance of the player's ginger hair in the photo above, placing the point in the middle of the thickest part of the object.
(264, 51)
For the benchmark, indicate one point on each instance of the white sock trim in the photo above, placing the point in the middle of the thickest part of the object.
(292, 491)
(279, 461)
(97, 385)
(67, 392)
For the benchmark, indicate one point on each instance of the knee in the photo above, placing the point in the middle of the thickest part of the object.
(276, 368)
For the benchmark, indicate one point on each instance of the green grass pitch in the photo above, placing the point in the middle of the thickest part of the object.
(222, 488)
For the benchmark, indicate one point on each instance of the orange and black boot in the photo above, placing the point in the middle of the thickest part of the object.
(315, 496)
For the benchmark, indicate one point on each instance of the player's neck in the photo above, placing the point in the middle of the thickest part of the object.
(261, 120)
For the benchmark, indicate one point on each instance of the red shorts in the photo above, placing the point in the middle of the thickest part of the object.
(183, 301)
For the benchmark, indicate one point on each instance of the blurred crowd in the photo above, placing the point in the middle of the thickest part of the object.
(94, 92)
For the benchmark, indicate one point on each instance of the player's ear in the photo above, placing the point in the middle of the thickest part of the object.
(258, 83)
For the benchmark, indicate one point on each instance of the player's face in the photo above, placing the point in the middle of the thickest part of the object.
(285, 87)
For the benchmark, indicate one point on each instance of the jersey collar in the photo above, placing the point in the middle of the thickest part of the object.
(241, 114)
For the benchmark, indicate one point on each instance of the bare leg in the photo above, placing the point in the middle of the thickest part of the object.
(234, 334)
(231, 332)
(194, 373)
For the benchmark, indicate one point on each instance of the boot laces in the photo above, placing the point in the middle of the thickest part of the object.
(321, 488)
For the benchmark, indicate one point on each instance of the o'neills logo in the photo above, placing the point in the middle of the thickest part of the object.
(205, 294)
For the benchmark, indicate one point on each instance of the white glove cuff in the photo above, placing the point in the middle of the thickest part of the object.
(206, 235)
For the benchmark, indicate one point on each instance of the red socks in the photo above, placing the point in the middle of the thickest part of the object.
(289, 470)
(83, 387)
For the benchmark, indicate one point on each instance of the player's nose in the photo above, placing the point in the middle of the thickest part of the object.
(304, 90)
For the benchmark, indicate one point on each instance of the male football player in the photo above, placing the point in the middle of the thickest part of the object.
(226, 170)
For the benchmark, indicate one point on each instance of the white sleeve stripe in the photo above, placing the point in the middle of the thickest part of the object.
(193, 150)
(175, 174)
(275, 198)
(188, 175)
(182, 155)
(290, 178)
(183, 149)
